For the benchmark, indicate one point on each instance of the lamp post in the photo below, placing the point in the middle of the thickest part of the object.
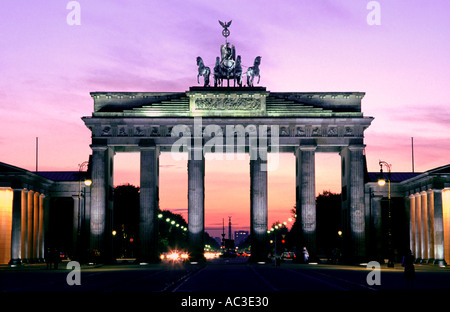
(382, 182)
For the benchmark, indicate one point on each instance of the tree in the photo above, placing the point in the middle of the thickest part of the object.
(328, 218)
(126, 224)
(279, 237)
(126, 219)
(171, 236)
(328, 223)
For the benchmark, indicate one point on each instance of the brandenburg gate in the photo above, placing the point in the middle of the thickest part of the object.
(227, 119)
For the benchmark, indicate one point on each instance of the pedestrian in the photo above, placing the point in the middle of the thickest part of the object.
(55, 258)
(48, 258)
(408, 264)
(305, 255)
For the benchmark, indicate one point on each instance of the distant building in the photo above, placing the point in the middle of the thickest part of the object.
(240, 236)
(218, 240)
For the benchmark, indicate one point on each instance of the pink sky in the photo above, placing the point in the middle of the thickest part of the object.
(48, 69)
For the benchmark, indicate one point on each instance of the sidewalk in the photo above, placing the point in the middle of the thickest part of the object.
(43, 266)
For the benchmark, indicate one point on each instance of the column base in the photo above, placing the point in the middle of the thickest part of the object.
(439, 262)
(15, 262)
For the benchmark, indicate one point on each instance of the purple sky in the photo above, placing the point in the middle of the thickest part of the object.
(48, 69)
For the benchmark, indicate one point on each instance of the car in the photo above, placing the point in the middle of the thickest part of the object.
(288, 256)
(174, 256)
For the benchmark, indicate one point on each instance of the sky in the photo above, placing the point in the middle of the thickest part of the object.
(52, 55)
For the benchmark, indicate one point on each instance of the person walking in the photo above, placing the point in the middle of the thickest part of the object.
(305, 255)
(48, 258)
(408, 264)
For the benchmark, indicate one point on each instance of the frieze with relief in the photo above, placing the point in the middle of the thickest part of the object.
(228, 103)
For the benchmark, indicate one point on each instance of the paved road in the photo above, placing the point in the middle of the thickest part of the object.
(173, 283)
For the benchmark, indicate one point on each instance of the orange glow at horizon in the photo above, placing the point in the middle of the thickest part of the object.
(227, 186)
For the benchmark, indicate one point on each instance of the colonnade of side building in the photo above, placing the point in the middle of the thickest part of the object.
(27, 225)
(429, 225)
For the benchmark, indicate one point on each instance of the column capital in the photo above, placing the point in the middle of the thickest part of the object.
(307, 148)
(98, 147)
(150, 148)
(357, 147)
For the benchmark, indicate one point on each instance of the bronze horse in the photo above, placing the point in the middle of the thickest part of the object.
(203, 71)
(253, 71)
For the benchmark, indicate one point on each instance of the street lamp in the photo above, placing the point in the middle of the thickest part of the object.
(382, 182)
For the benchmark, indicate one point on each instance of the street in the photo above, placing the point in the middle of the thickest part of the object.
(218, 279)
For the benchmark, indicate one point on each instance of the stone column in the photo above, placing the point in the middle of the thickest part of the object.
(30, 203)
(353, 202)
(258, 205)
(41, 235)
(412, 222)
(424, 225)
(436, 200)
(16, 231)
(306, 197)
(101, 201)
(149, 203)
(24, 233)
(430, 225)
(418, 226)
(35, 226)
(196, 202)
